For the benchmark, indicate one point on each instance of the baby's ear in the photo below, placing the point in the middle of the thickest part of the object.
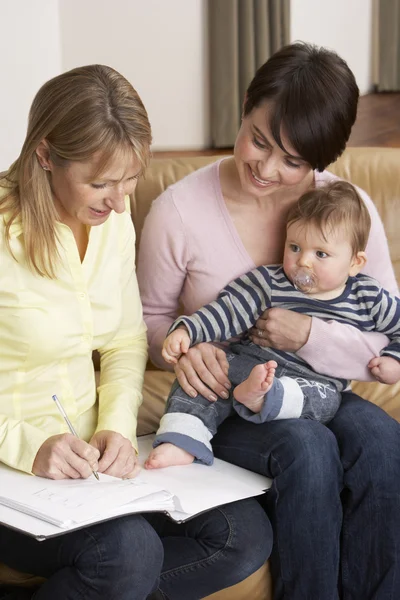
(357, 263)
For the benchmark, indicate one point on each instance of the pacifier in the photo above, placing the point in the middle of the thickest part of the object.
(304, 280)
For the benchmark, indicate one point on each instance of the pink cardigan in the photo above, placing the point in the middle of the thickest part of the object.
(190, 249)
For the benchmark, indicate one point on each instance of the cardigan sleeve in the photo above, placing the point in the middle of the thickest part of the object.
(161, 275)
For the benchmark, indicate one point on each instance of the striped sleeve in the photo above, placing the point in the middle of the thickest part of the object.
(386, 314)
(236, 309)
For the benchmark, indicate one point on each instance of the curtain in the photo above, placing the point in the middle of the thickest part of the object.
(242, 36)
(386, 39)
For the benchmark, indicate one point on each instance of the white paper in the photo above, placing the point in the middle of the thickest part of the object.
(41, 507)
(199, 487)
(69, 501)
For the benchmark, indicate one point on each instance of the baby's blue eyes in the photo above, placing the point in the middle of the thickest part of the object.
(319, 253)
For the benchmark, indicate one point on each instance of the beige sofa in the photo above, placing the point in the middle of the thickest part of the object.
(374, 169)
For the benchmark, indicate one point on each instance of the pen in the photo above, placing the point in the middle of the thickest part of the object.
(68, 422)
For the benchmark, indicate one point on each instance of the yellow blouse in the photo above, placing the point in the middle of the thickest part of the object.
(48, 330)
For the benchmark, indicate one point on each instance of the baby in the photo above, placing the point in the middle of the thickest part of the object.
(327, 232)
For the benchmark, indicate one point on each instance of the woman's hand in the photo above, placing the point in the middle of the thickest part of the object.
(117, 455)
(204, 370)
(65, 456)
(281, 329)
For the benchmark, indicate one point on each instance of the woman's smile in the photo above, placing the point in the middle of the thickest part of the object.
(264, 183)
(100, 213)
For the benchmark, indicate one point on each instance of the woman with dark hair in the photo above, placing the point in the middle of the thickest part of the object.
(335, 498)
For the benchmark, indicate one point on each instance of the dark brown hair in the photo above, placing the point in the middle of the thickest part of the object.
(314, 98)
(334, 206)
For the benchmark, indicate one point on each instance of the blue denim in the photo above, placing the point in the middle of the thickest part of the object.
(128, 558)
(212, 551)
(334, 503)
(321, 399)
(117, 560)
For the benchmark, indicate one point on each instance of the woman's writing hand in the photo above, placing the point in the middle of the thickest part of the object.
(281, 329)
(204, 370)
(65, 456)
(117, 455)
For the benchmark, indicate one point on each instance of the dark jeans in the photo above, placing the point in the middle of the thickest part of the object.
(127, 558)
(334, 503)
(119, 559)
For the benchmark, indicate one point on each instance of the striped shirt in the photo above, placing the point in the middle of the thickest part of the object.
(363, 304)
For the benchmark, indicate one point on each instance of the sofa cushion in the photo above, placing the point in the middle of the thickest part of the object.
(156, 388)
(376, 170)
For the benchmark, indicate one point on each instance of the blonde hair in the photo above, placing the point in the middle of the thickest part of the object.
(333, 206)
(85, 111)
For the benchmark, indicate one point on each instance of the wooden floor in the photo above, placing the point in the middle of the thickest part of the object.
(377, 124)
(378, 121)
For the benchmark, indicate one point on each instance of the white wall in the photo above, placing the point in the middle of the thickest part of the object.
(159, 46)
(342, 25)
(29, 56)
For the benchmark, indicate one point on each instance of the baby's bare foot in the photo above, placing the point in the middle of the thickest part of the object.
(251, 391)
(167, 455)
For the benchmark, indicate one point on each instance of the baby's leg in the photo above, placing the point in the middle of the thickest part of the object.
(168, 455)
(186, 430)
(251, 392)
(321, 398)
(287, 398)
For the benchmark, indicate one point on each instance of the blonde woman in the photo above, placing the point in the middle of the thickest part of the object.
(68, 287)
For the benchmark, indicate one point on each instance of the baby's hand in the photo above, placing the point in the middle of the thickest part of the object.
(385, 369)
(175, 344)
